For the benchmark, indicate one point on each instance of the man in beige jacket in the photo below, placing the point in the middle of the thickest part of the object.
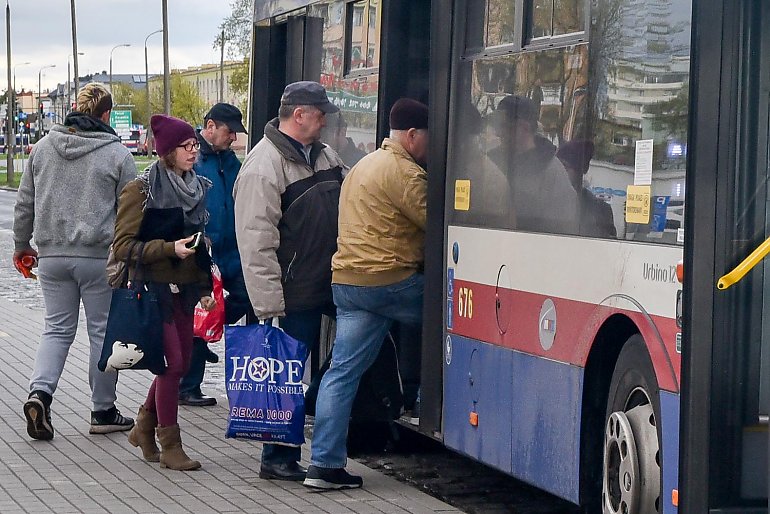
(376, 277)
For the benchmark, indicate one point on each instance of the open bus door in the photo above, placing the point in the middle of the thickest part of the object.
(726, 334)
(342, 46)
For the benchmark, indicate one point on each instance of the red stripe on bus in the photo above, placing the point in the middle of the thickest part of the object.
(475, 316)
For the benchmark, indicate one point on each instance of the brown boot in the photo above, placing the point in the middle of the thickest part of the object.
(172, 454)
(143, 434)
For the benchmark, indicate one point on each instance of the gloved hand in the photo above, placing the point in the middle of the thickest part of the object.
(24, 261)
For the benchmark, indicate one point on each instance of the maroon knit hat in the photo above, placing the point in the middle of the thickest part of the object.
(169, 132)
(407, 113)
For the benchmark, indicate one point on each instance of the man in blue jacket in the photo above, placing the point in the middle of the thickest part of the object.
(217, 162)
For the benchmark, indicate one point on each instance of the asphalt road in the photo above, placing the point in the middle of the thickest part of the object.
(411, 458)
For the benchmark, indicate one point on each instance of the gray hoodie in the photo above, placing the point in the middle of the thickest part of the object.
(69, 191)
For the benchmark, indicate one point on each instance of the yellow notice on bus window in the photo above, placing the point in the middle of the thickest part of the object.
(638, 204)
(462, 195)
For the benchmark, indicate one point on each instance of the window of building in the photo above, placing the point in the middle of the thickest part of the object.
(362, 35)
(553, 18)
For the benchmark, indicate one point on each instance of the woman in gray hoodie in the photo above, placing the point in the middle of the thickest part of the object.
(67, 201)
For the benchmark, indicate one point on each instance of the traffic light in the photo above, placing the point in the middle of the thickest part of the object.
(40, 109)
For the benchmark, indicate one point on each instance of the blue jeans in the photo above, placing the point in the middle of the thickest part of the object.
(304, 326)
(236, 306)
(364, 316)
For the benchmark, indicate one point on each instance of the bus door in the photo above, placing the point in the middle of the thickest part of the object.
(286, 48)
(726, 334)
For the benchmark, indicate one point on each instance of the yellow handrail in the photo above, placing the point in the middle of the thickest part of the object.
(745, 266)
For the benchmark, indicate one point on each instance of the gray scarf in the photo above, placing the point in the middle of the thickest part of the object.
(166, 189)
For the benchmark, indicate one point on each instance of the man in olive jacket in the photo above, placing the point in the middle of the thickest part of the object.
(286, 206)
(377, 277)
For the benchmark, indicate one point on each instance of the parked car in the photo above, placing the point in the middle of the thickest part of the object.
(142, 148)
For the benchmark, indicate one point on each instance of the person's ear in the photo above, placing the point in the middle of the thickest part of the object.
(297, 114)
(105, 117)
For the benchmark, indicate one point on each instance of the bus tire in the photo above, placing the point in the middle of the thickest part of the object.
(631, 468)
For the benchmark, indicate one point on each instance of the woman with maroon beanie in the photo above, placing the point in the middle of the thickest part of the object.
(157, 215)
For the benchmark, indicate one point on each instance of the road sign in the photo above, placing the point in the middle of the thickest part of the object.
(120, 119)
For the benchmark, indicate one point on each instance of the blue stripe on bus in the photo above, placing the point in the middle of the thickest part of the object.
(528, 414)
(669, 413)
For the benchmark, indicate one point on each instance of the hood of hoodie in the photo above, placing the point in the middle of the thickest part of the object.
(80, 135)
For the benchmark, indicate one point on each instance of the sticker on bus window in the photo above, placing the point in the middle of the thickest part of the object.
(643, 163)
(462, 195)
(638, 204)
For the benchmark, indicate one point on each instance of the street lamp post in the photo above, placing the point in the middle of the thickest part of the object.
(75, 52)
(9, 98)
(113, 49)
(40, 98)
(69, 89)
(147, 88)
(166, 72)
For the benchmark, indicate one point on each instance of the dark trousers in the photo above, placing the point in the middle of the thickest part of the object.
(236, 306)
(304, 326)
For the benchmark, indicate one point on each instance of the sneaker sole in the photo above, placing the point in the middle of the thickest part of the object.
(321, 484)
(37, 426)
(108, 429)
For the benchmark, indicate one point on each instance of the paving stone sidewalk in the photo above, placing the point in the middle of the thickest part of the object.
(78, 472)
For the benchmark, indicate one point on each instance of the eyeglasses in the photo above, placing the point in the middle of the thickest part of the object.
(191, 147)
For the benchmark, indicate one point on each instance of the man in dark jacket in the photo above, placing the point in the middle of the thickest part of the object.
(217, 162)
(286, 206)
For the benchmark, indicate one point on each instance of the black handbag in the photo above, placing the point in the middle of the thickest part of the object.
(134, 335)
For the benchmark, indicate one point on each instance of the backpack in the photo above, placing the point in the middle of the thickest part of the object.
(380, 394)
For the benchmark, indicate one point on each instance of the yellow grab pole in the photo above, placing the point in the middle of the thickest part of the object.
(745, 266)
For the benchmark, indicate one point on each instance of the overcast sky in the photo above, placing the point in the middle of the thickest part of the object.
(41, 34)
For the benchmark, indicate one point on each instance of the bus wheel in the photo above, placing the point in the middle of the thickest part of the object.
(631, 467)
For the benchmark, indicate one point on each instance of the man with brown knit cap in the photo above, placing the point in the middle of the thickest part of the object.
(376, 277)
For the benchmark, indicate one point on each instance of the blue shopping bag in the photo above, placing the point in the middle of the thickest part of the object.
(263, 378)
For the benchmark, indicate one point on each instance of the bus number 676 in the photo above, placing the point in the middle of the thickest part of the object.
(465, 302)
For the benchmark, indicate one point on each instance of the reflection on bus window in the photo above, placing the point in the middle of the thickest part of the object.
(353, 131)
(597, 92)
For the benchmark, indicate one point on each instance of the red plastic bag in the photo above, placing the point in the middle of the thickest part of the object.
(209, 325)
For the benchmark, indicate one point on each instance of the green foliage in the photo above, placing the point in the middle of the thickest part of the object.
(185, 101)
(237, 29)
(239, 80)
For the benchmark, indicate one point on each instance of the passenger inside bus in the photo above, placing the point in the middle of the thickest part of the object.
(335, 135)
(541, 195)
(596, 218)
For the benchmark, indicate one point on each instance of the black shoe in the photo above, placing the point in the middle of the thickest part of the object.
(291, 472)
(331, 478)
(108, 421)
(196, 400)
(37, 410)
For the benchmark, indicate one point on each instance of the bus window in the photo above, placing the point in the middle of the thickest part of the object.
(634, 117)
(352, 133)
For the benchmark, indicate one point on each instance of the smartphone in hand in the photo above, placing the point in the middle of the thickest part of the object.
(197, 238)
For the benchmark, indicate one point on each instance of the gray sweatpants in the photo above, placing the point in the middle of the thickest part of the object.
(66, 281)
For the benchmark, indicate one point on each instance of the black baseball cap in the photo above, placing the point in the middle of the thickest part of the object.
(307, 92)
(228, 114)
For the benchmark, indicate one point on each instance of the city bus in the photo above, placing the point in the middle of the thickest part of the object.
(552, 341)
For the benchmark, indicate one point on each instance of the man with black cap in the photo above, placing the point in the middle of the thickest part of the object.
(286, 206)
(217, 162)
(377, 277)
(541, 195)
